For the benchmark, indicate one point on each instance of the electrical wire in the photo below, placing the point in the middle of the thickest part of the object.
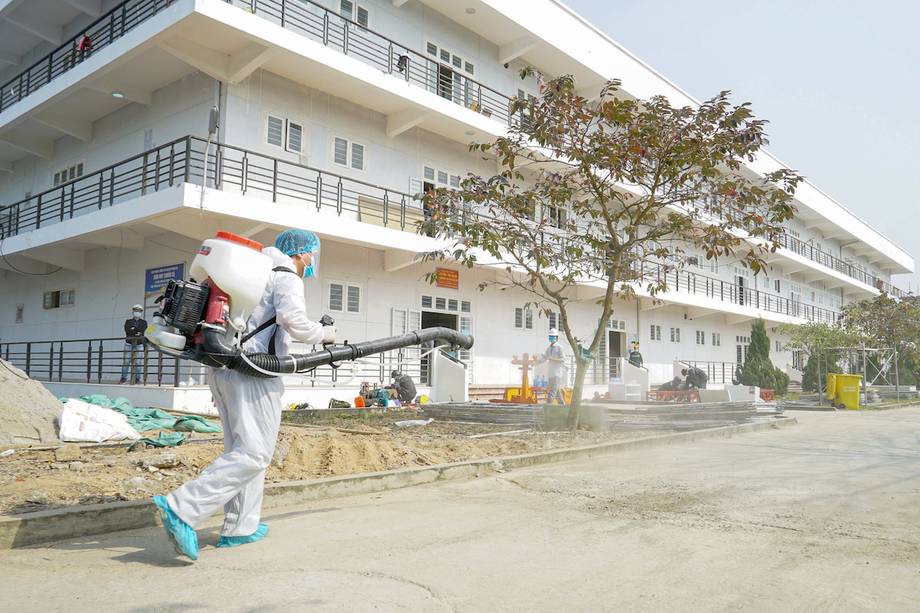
(23, 272)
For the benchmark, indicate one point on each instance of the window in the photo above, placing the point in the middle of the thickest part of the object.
(348, 154)
(779, 346)
(555, 216)
(294, 137)
(348, 11)
(20, 308)
(426, 302)
(344, 297)
(68, 174)
(716, 339)
(336, 298)
(274, 131)
(700, 337)
(440, 178)
(776, 286)
(440, 303)
(553, 320)
(523, 319)
(58, 298)
(340, 154)
(357, 156)
(284, 134)
(655, 332)
(675, 335)
(465, 306)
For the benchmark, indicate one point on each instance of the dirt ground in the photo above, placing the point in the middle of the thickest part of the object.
(346, 444)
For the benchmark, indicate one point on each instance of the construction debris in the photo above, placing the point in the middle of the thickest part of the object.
(67, 453)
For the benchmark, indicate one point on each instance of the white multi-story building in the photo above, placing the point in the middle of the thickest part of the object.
(333, 115)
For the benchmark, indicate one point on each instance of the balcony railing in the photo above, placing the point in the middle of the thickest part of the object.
(824, 258)
(718, 372)
(689, 282)
(808, 250)
(240, 171)
(331, 29)
(106, 361)
(318, 23)
(101, 33)
(302, 16)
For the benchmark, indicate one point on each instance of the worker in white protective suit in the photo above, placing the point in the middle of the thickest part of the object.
(250, 408)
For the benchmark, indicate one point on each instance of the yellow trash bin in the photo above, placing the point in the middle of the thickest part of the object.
(848, 391)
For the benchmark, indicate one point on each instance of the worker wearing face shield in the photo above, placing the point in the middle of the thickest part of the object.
(555, 368)
(250, 407)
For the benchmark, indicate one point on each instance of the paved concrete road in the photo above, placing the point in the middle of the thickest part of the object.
(823, 516)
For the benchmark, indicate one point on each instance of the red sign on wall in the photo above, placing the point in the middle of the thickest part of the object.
(448, 278)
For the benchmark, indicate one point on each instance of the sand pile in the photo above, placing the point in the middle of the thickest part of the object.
(331, 453)
(28, 411)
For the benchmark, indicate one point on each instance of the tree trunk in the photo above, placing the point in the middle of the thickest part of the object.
(581, 369)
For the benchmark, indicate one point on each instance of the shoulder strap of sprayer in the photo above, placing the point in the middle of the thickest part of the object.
(270, 322)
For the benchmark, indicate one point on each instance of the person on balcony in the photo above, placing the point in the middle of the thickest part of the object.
(134, 345)
(249, 408)
(84, 47)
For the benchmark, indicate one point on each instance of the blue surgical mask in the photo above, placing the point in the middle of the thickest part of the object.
(553, 339)
(308, 271)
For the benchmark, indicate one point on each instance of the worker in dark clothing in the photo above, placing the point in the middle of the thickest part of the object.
(671, 386)
(696, 378)
(134, 344)
(635, 358)
(404, 386)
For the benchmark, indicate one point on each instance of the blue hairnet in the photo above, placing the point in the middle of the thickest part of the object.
(292, 242)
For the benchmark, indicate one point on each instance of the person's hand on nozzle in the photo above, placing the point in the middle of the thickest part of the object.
(328, 335)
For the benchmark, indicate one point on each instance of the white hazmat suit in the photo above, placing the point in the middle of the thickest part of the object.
(250, 411)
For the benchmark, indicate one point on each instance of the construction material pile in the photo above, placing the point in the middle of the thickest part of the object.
(28, 411)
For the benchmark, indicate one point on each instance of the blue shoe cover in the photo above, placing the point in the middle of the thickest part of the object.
(233, 541)
(182, 536)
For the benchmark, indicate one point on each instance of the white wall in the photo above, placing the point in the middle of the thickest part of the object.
(177, 110)
(113, 280)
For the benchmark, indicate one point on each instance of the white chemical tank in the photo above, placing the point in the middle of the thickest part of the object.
(238, 267)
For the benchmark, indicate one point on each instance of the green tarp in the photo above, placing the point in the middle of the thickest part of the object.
(143, 420)
(164, 440)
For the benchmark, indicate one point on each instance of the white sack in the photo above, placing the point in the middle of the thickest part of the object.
(84, 422)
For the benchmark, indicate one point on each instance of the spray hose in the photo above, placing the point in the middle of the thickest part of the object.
(269, 365)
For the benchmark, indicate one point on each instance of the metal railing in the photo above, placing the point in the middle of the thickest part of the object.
(237, 170)
(165, 166)
(103, 32)
(93, 360)
(331, 29)
(320, 24)
(107, 361)
(718, 372)
(682, 280)
(810, 251)
(302, 16)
